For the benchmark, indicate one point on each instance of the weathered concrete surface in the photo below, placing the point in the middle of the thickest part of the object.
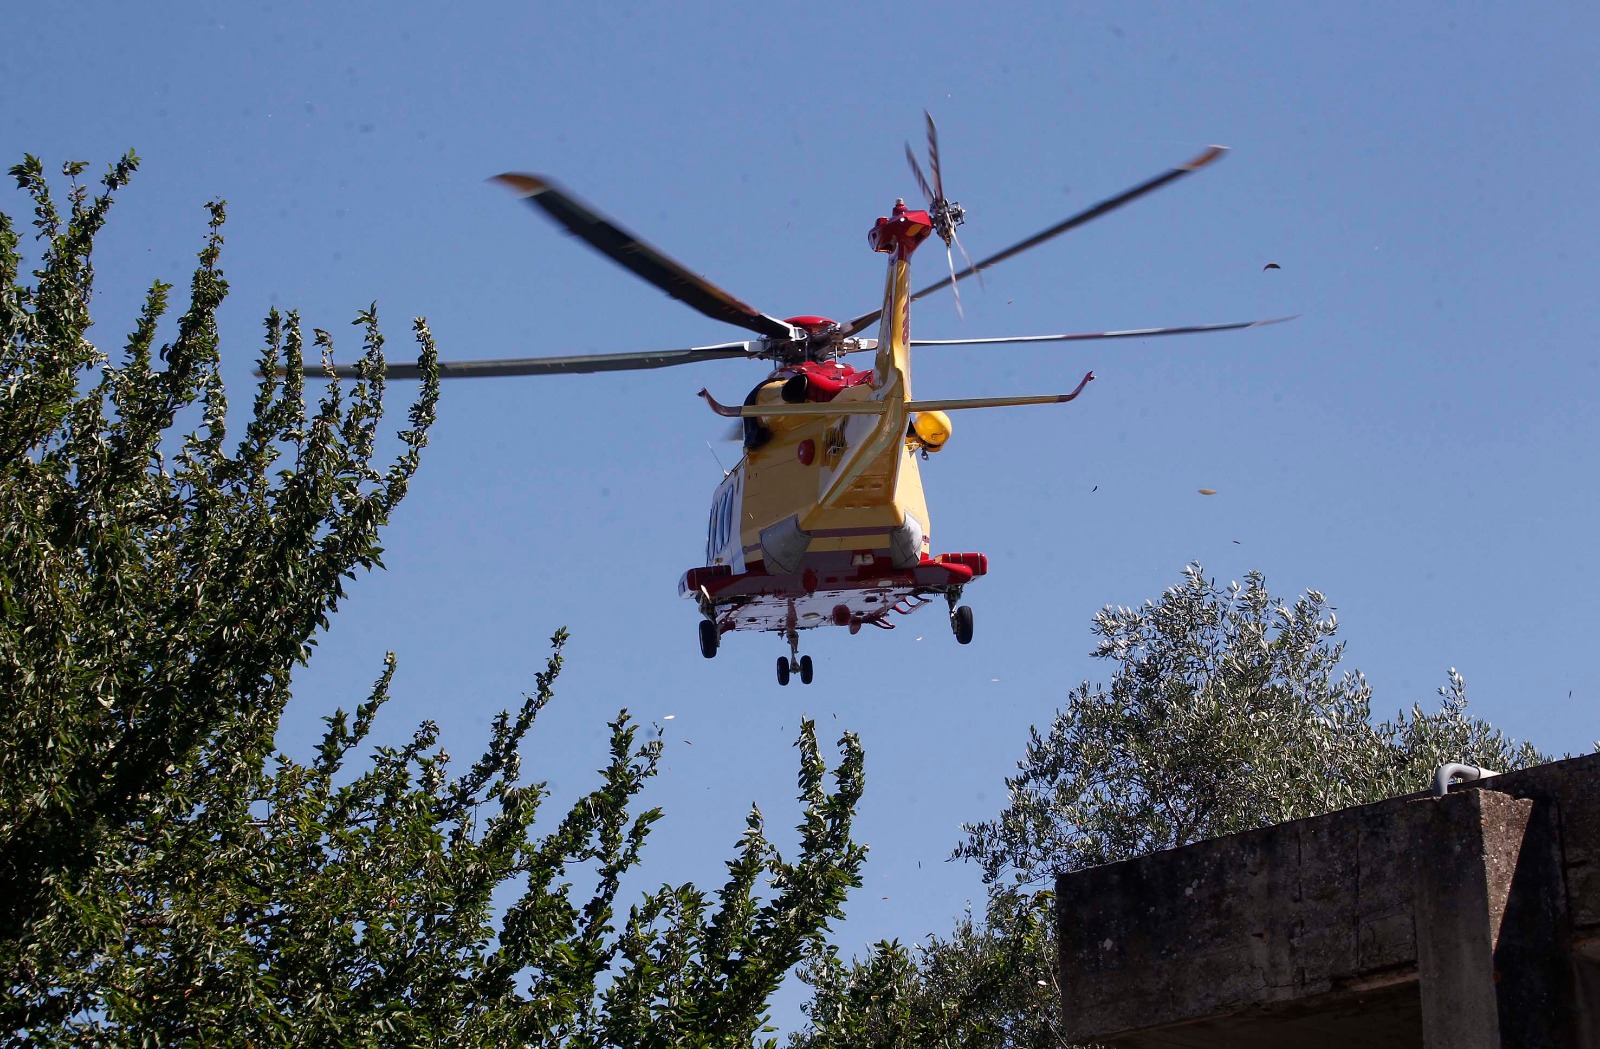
(1463, 921)
(1491, 964)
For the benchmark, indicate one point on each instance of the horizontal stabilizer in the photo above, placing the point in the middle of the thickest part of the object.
(958, 403)
(834, 409)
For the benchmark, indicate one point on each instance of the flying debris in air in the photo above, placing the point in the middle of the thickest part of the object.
(1206, 491)
(1271, 266)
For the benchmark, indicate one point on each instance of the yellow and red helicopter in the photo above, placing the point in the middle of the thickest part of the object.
(823, 521)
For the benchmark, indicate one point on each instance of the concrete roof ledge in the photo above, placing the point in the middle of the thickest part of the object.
(1463, 921)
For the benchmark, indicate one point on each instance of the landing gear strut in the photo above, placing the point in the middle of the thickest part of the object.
(710, 638)
(961, 625)
(801, 666)
(794, 663)
(960, 617)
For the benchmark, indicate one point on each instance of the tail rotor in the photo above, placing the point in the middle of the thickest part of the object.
(946, 214)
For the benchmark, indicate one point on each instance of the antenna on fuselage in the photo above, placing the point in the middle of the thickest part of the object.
(718, 459)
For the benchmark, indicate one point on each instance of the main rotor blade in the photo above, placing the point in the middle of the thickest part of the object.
(596, 362)
(933, 157)
(1110, 204)
(628, 251)
(1131, 333)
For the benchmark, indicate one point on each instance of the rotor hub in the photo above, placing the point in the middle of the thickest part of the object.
(820, 340)
(946, 215)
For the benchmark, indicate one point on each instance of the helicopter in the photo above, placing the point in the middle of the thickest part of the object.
(824, 520)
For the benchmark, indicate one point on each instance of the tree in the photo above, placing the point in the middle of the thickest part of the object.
(312, 906)
(1226, 710)
(988, 983)
(156, 593)
(168, 878)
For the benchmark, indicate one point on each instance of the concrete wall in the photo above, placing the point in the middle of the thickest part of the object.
(1470, 920)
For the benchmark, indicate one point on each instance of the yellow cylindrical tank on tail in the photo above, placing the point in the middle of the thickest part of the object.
(931, 430)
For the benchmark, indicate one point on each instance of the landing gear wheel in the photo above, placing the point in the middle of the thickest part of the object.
(783, 670)
(805, 670)
(710, 638)
(961, 624)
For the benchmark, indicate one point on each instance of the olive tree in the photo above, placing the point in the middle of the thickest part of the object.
(1226, 709)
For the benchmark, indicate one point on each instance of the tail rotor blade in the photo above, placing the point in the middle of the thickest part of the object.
(954, 287)
(975, 271)
(916, 169)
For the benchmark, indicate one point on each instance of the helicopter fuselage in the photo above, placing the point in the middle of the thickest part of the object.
(824, 519)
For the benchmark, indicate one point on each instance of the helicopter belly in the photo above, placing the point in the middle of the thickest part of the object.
(832, 588)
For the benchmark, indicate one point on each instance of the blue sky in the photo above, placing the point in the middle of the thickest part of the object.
(1421, 445)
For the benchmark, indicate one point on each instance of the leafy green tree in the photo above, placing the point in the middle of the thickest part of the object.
(317, 905)
(156, 592)
(165, 876)
(988, 983)
(1226, 710)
